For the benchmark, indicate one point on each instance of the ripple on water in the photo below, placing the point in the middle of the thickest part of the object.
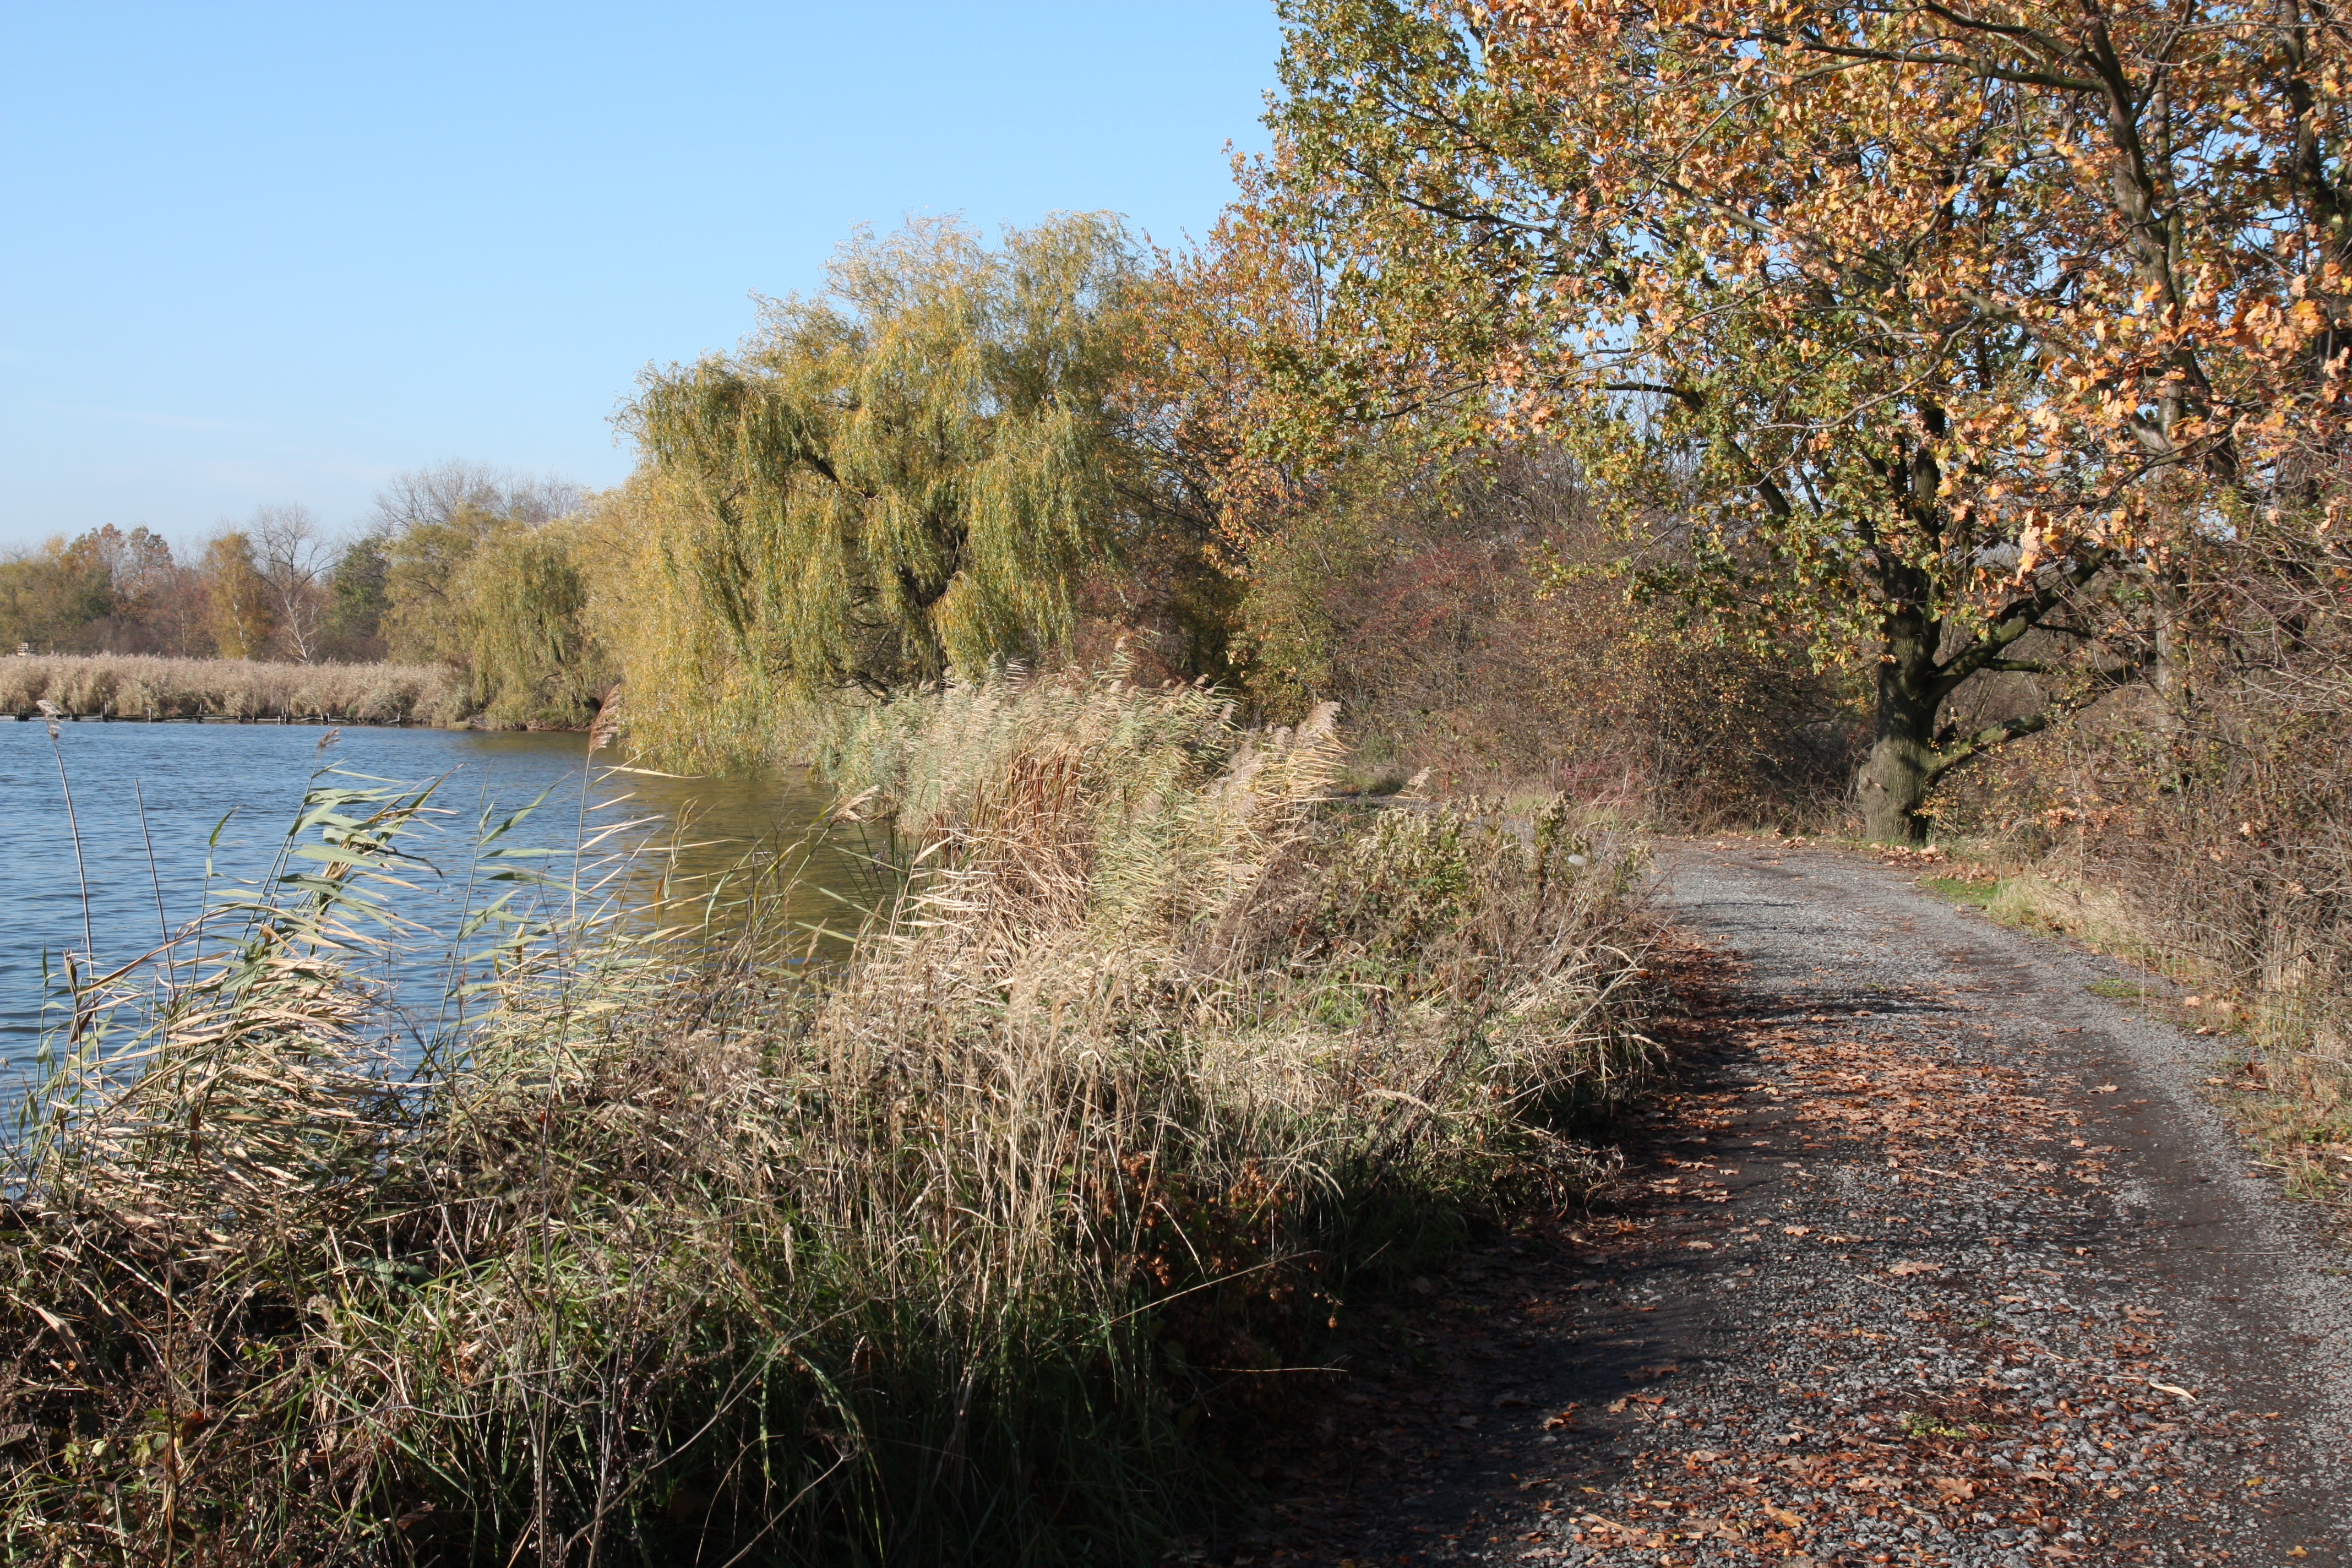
(192, 778)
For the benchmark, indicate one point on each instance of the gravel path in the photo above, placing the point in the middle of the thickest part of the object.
(1935, 1256)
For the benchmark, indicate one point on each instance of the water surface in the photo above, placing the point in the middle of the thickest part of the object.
(228, 793)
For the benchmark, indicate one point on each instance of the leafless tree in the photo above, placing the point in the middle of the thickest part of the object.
(294, 555)
(438, 493)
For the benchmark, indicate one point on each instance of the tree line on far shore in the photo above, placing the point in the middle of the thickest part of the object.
(419, 581)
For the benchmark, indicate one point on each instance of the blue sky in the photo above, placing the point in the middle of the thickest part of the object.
(253, 254)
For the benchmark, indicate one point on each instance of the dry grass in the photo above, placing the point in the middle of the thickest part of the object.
(136, 685)
(2050, 899)
(958, 1251)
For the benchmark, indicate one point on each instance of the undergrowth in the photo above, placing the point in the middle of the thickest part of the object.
(979, 1247)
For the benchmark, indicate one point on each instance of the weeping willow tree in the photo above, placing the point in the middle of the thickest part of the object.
(505, 600)
(906, 472)
(687, 700)
(528, 649)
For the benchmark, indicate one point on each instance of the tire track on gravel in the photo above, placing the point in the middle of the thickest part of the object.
(1933, 1257)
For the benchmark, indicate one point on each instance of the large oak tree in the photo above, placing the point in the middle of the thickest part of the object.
(1945, 325)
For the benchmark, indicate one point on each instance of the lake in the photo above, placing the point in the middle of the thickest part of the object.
(248, 781)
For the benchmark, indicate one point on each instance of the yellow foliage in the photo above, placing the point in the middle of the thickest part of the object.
(908, 472)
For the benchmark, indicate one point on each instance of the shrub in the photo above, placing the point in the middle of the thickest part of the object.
(1480, 626)
(2213, 810)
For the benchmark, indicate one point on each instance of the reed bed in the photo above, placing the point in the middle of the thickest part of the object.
(979, 1247)
(141, 686)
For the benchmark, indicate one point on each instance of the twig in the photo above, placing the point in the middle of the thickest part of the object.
(154, 878)
(73, 827)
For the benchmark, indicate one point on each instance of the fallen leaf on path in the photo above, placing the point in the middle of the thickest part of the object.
(2105, 1089)
(1912, 1266)
(2169, 1388)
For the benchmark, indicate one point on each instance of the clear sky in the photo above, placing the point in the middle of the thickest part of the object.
(277, 253)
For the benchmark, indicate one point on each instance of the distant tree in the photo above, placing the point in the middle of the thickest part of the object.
(140, 574)
(357, 600)
(50, 598)
(175, 611)
(529, 652)
(239, 600)
(428, 605)
(293, 555)
(435, 494)
(482, 570)
(409, 583)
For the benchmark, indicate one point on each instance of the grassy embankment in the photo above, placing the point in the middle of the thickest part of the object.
(978, 1247)
(127, 686)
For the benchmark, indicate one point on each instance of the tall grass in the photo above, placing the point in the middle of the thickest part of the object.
(964, 1249)
(136, 685)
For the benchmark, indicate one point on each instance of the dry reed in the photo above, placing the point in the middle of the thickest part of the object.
(140, 686)
(953, 1252)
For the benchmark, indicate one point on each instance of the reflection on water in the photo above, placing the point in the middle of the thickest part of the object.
(223, 794)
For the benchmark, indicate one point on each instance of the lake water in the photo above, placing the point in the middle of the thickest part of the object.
(192, 778)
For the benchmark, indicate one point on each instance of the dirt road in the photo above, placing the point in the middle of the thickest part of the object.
(1937, 1257)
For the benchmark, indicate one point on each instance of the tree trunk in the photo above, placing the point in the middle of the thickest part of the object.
(1892, 784)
